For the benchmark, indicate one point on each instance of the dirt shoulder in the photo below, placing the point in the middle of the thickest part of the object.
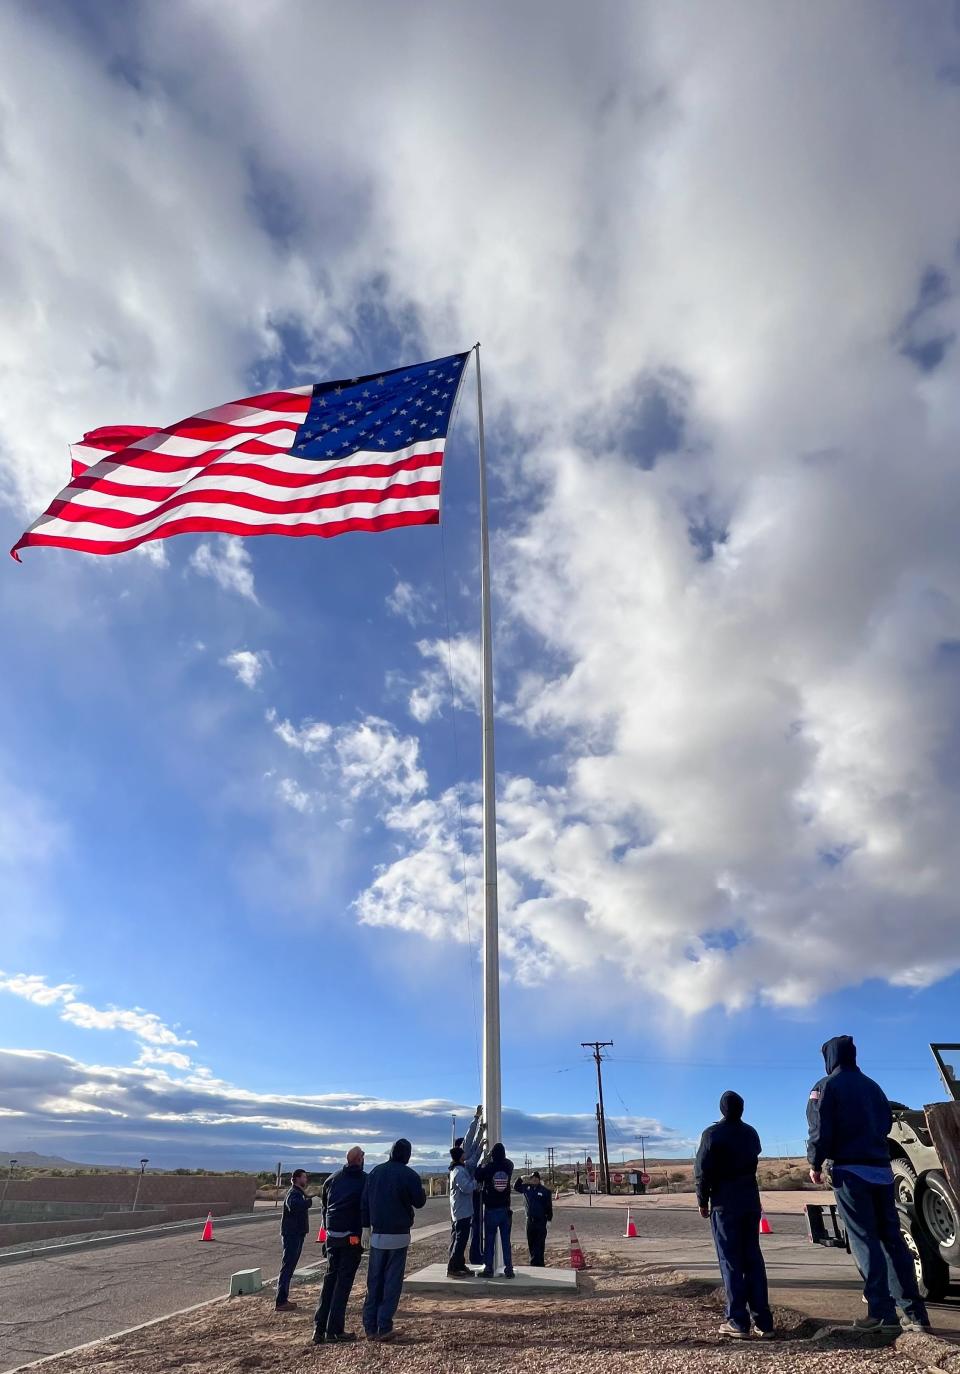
(622, 1320)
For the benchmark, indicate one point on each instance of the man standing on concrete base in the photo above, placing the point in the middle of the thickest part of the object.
(493, 1178)
(849, 1118)
(538, 1203)
(393, 1192)
(294, 1224)
(725, 1174)
(462, 1188)
(340, 1198)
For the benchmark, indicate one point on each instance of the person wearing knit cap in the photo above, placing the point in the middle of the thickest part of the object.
(462, 1189)
(393, 1193)
(725, 1174)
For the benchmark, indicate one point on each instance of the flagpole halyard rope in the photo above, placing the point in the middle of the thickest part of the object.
(463, 856)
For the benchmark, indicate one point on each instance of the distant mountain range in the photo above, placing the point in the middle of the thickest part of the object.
(29, 1159)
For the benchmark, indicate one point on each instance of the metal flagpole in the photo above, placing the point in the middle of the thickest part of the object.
(491, 943)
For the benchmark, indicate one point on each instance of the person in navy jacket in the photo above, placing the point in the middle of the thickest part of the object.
(294, 1224)
(392, 1194)
(493, 1179)
(848, 1118)
(725, 1174)
(341, 1200)
(538, 1202)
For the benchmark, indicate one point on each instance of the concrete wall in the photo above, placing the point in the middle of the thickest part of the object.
(40, 1208)
(236, 1191)
(17, 1233)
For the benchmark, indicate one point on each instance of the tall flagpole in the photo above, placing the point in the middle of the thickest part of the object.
(491, 938)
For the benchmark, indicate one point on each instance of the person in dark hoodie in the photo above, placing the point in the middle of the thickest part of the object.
(392, 1194)
(294, 1224)
(538, 1203)
(725, 1174)
(340, 1200)
(848, 1118)
(493, 1180)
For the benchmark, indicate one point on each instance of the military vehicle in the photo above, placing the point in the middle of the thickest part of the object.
(928, 1204)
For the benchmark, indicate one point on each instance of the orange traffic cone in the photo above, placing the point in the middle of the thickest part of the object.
(765, 1228)
(577, 1258)
(321, 1235)
(208, 1227)
(631, 1232)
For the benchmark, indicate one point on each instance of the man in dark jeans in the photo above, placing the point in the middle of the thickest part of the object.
(393, 1192)
(340, 1200)
(294, 1223)
(539, 1208)
(493, 1180)
(725, 1174)
(849, 1118)
(461, 1189)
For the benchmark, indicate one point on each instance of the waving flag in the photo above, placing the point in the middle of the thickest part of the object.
(363, 454)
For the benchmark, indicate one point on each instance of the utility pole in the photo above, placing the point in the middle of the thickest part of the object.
(12, 1164)
(604, 1161)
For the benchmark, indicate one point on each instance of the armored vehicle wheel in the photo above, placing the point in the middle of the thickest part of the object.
(904, 1181)
(933, 1273)
(941, 1216)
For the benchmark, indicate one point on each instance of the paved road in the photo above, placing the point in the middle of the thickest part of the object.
(53, 1304)
(808, 1278)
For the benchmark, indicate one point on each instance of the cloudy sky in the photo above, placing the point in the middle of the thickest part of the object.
(711, 251)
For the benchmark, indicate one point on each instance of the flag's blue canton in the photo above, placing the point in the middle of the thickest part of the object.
(381, 413)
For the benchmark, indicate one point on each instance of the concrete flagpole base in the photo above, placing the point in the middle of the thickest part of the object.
(528, 1280)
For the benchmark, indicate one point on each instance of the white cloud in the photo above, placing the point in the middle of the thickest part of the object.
(247, 664)
(228, 563)
(374, 757)
(33, 988)
(458, 660)
(311, 737)
(171, 1059)
(103, 1113)
(291, 794)
(408, 602)
(371, 757)
(145, 1025)
(154, 552)
(725, 457)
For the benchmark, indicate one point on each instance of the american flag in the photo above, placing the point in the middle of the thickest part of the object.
(362, 454)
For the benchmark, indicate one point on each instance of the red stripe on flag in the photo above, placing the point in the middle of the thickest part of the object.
(217, 525)
(113, 519)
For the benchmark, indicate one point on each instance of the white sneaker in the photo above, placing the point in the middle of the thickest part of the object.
(733, 1331)
(911, 1324)
(875, 1324)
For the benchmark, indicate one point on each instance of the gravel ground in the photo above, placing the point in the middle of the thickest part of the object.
(622, 1320)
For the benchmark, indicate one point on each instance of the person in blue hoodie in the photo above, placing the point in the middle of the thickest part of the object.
(725, 1174)
(493, 1179)
(340, 1201)
(848, 1119)
(393, 1192)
